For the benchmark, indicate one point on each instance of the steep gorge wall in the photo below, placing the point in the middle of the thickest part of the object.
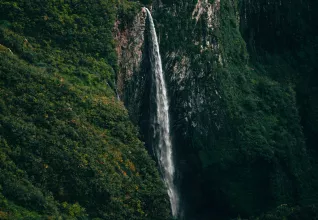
(236, 128)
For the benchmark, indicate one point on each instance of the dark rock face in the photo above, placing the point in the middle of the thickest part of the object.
(235, 94)
(134, 80)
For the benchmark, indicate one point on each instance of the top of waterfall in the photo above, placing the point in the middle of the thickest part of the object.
(145, 9)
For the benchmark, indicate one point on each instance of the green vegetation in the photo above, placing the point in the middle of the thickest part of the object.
(243, 105)
(67, 147)
(284, 46)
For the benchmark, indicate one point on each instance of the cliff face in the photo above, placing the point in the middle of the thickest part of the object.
(130, 47)
(234, 101)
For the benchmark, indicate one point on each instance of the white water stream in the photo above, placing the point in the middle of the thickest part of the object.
(164, 149)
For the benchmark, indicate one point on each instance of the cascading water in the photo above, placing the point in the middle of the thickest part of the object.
(162, 122)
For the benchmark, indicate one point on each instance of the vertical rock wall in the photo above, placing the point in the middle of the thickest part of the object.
(236, 131)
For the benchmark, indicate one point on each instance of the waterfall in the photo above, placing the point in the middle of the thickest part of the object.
(162, 123)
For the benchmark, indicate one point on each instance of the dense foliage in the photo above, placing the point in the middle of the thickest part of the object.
(67, 147)
(282, 40)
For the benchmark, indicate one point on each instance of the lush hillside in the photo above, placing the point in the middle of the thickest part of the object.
(67, 147)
